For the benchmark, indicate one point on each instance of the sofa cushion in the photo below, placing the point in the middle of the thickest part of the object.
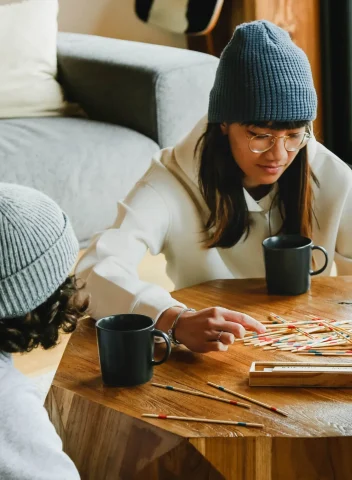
(85, 166)
(28, 62)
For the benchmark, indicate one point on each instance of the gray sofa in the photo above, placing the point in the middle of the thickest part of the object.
(138, 98)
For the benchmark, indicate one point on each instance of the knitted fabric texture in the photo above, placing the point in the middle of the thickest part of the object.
(38, 249)
(262, 76)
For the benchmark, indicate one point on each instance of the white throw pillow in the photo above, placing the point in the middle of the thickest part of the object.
(28, 59)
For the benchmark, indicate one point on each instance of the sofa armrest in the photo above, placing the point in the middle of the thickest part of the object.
(156, 90)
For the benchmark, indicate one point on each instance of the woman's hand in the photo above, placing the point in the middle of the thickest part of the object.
(200, 331)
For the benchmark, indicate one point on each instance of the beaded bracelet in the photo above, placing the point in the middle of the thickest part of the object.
(171, 331)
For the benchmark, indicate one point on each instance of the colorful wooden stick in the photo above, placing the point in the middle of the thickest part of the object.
(269, 407)
(201, 394)
(202, 420)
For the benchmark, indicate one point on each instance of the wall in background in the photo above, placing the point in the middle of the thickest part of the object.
(112, 18)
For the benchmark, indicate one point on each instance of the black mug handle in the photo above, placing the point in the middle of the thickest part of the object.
(316, 272)
(159, 333)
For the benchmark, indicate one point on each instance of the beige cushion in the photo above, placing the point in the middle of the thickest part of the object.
(28, 62)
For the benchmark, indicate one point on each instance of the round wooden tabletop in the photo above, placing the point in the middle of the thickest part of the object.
(312, 412)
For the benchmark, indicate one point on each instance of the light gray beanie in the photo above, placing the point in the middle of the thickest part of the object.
(38, 249)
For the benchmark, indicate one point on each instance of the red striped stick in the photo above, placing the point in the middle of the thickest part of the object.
(202, 420)
(201, 394)
(265, 405)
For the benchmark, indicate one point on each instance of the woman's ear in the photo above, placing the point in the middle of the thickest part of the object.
(224, 128)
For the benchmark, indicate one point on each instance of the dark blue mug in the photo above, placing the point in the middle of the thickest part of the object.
(126, 349)
(288, 260)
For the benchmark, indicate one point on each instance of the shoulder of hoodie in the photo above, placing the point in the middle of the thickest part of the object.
(13, 382)
(165, 174)
(161, 179)
(329, 168)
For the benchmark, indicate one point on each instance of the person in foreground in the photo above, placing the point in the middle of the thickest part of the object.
(250, 170)
(38, 298)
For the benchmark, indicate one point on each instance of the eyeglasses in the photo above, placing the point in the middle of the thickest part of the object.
(292, 143)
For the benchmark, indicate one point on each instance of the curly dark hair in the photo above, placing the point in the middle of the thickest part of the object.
(42, 326)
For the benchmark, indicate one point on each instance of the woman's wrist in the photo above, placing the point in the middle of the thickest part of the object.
(171, 331)
(167, 318)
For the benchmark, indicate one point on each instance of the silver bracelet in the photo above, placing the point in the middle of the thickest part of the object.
(171, 331)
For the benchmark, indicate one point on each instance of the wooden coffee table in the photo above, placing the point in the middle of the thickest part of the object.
(104, 434)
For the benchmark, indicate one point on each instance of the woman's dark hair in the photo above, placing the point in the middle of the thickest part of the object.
(60, 312)
(220, 182)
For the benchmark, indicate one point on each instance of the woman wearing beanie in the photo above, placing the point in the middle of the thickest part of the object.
(38, 298)
(249, 170)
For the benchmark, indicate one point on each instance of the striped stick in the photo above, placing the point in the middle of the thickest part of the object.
(338, 331)
(318, 352)
(330, 354)
(265, 405)
(202, 420)
(201, 394)
(316, 344)
(282, 320)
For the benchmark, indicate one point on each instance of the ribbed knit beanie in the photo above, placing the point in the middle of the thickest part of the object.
(262, 76)
(38, 249)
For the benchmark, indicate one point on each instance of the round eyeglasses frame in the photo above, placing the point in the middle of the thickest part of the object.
(305, 139)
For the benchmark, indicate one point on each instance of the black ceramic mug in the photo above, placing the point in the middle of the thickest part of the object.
(126, 349)
(288, 261)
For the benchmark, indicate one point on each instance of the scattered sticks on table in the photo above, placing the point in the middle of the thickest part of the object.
(312, 336)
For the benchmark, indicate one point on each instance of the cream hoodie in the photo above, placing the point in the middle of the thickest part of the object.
(166, 213)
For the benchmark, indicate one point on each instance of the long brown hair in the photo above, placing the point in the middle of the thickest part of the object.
(220, 182)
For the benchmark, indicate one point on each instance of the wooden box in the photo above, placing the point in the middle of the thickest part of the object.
(300, 374)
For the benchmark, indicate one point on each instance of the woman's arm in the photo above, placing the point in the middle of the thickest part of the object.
(110, 264)
(109, 269)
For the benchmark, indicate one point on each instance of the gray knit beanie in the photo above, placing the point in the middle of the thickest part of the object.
(38, 249)
(262, 76)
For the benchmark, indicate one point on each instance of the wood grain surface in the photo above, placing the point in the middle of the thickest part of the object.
(102, 427)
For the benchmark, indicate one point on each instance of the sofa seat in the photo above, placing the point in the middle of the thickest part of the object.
(84, 165)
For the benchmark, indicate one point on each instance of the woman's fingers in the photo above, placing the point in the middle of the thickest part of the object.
(236, 329)
(214, 347)
(200, 331)
(234, 323)
(225, 338)
(246, 321)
